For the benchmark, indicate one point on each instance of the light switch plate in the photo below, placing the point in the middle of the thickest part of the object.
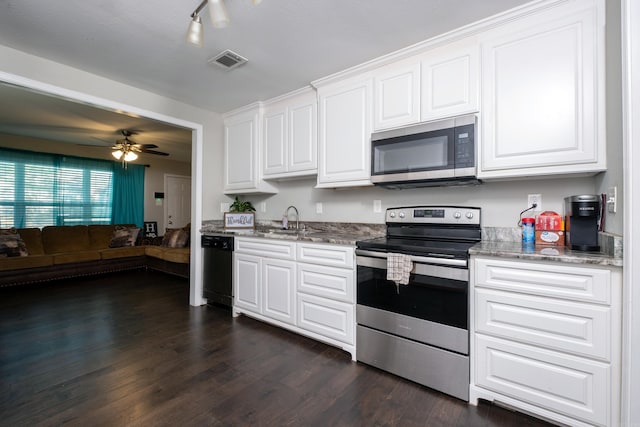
(263, 206)
(612, 199)
(377, 206)
(319, 208)
(224, 207)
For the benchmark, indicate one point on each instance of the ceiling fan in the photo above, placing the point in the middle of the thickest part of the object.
(127, 150)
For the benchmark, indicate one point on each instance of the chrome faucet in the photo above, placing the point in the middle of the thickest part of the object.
(286, 214)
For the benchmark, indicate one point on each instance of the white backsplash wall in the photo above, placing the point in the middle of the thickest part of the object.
(501, 202)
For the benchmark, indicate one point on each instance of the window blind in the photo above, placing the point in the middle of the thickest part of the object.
(38, 189)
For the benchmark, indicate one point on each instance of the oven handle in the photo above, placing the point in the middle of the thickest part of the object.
(415, 258)
(380, 262)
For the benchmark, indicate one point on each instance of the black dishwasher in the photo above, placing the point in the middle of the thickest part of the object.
(218, 267)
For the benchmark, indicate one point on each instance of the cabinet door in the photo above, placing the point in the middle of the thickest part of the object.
(331, 319)
(568, 385)
(246, 279)
(345, 134)
(328, 282)
(397, 95)
(324, 254)
(575, 328)
(278, 283)
(275, 141)
(240, 147)
(450, 80)
(274, 248)
(542, 89)
(303, 135)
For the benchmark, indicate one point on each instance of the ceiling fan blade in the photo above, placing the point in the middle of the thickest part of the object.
(145, 146)
(159, 153)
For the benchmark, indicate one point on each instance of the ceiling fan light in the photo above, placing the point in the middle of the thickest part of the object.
(117, 154)
(218, 13)
(130, 156)
(195, 34)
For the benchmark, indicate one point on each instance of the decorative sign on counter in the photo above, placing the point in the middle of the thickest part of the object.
(243, 220)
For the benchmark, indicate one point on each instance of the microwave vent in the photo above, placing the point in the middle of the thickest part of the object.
(228, 60)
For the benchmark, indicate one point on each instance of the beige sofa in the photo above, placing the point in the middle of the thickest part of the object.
(57, 252)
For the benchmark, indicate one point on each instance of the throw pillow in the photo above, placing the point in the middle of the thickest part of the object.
(124, 236)
(175, 238)
(11, 245)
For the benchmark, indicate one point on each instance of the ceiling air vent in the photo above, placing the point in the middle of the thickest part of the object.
(228, 60)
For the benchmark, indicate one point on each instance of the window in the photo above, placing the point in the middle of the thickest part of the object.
(39, 189)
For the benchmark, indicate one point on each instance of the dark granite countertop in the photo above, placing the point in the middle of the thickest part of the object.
(334, 233)
(543, 253)
(496, 242)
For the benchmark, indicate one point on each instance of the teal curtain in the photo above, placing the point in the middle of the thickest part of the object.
(40, 189)
(128, 194)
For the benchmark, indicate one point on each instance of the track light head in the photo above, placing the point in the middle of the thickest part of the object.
(219, 19)
(195, 34)
(218, 13)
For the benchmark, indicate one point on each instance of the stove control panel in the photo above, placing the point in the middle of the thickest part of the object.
(434, 215)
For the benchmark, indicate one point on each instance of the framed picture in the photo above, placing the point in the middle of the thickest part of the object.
(150, 229)
(239, 220)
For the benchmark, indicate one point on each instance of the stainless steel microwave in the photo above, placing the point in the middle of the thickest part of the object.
(429, 154)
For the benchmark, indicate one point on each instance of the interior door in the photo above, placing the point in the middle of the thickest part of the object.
(177, 201)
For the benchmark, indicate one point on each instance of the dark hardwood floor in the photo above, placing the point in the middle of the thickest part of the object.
(127, 349)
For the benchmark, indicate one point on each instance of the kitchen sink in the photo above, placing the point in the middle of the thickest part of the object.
(278, 231)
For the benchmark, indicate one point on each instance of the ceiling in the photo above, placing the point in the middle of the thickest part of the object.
(288, 44)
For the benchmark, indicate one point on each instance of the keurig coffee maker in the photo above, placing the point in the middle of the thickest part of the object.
(581, 222)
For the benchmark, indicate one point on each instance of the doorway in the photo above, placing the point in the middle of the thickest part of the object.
(195, 280)
(177, 200)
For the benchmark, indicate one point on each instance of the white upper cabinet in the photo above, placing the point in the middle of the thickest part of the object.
(242, 152)
(397, 95)
(443, 82)
(344, 144)
(450, 80)
(543, 93)
(291, 136)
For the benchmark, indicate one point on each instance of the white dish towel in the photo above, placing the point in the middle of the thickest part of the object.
(399, 268)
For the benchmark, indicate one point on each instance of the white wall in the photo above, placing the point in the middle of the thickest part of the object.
(614, 175)
(41, 74)
(501, 202)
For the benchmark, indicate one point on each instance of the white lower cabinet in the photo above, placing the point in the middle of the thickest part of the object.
(315, 298)
(550, 351)
(278, 284)
(246, 271)
(332, 319)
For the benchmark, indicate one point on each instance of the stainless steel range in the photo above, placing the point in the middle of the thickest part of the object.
(420, 330)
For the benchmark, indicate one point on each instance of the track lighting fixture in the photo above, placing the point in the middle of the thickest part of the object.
(218, 15)
(194, 35)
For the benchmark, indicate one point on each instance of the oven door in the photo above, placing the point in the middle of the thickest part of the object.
(432, 308)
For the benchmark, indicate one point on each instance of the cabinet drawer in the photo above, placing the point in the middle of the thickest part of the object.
(577, 328)
(328, 282)
(545, 279)
(266, 247)
(331, 319)
(565, 384)
(334, 256)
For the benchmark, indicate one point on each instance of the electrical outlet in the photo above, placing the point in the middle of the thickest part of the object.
(612, 200)
(535, 199)
(319, 207)
(263, 206)
(377, 206)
